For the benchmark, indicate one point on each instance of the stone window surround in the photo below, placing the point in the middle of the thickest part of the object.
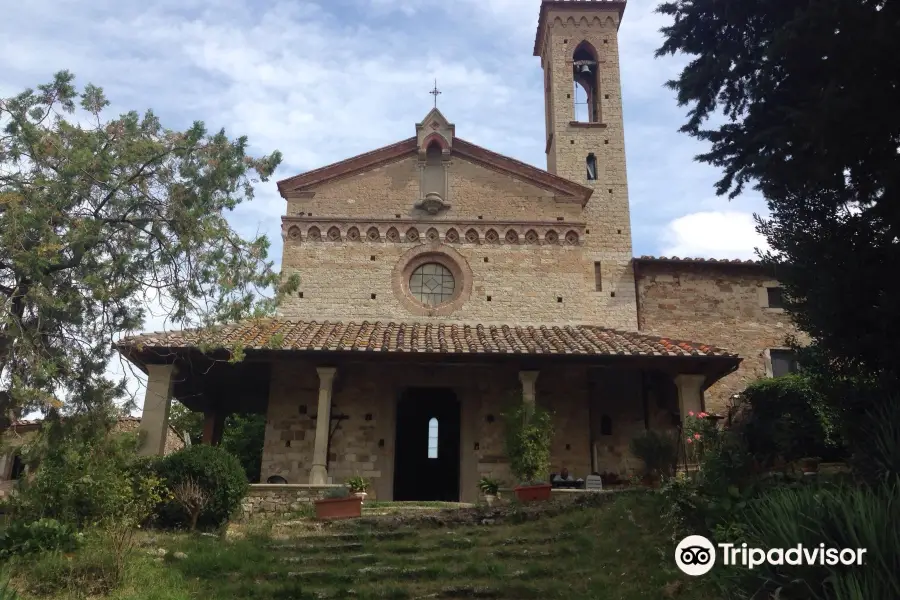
(297, 230)
(434, 252)
(764, 296)
(767, 357)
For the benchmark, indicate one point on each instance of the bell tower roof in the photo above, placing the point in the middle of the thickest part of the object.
(572, 6)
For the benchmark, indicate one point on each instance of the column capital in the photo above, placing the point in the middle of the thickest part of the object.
(161, 370)
(326, 374)
(528, 377)
(690, 381)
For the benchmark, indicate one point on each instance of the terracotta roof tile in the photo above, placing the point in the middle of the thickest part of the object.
(715, 261)
(430, 338)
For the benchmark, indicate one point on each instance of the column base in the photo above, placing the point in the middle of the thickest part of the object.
(318, 475)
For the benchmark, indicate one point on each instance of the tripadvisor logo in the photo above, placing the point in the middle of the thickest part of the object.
(696, 555)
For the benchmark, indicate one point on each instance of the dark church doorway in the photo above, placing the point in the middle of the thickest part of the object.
(426, 462)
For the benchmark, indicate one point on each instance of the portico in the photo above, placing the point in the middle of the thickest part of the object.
(336, 412)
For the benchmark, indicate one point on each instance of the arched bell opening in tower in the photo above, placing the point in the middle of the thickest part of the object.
(586, 78)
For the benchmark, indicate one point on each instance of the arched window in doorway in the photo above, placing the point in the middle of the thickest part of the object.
(586, 75)
(433, 438)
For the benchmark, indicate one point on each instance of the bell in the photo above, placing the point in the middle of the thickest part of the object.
(585, 69)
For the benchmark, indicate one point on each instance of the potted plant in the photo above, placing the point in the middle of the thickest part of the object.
(339, 504)
(659, 453)
(490, 488)
(359, 487)
(810, 465)
(529, 432)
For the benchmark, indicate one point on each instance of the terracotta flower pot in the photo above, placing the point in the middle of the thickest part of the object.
(339, 508)
(532, 493)
(809, 465)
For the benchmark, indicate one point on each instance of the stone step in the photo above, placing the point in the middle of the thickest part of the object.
(396, 534)
(363, 574)
(313, 547)
(469, 591)
(361, 558)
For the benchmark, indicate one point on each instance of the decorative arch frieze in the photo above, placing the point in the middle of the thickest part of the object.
(297, 230)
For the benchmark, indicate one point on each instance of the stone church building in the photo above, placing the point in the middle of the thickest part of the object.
(442, 282)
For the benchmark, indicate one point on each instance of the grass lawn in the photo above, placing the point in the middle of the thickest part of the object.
(614, 549)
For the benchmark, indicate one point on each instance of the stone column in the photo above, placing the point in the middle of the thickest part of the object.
(5, 466)
(690, 394)
(155, 416)
(528, 379)
(318, 475)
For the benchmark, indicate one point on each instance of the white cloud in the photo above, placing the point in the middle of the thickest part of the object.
(714, 234)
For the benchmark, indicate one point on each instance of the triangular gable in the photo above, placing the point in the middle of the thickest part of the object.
(562, 188)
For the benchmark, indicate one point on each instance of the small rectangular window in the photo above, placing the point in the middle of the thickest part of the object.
(783, 362)
(775, 297)
(598, 277)
(591, 167)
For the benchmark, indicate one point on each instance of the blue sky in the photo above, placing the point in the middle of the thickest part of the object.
(322, 80)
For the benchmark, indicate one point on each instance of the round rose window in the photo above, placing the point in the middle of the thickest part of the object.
(432, 284)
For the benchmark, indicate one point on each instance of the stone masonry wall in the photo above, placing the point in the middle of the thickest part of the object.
(525, 282)
(280, 500)
(722, 305)
(366, 394)
(393, 189)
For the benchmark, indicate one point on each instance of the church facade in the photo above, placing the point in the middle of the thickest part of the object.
(441, 282)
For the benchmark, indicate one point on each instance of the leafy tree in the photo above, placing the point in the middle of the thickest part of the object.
(799, 99)
(99, 217)
(186, 423)
(243, 436)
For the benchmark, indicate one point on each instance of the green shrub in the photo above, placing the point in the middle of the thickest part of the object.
(838, 517)
(84, 474)
(876, 451)
(658, 451)
(784, 418)
(217, 471)
(20, 537)
(529, 433)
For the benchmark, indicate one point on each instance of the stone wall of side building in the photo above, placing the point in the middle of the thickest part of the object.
(723, 304)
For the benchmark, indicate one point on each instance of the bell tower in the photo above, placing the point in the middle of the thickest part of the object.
(577, 42)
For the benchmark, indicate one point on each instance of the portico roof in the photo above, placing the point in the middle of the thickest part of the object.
(423, 338)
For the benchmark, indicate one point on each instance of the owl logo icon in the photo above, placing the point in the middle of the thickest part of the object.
(695, 555)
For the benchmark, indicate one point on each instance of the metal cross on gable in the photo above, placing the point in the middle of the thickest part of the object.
(435, 92)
